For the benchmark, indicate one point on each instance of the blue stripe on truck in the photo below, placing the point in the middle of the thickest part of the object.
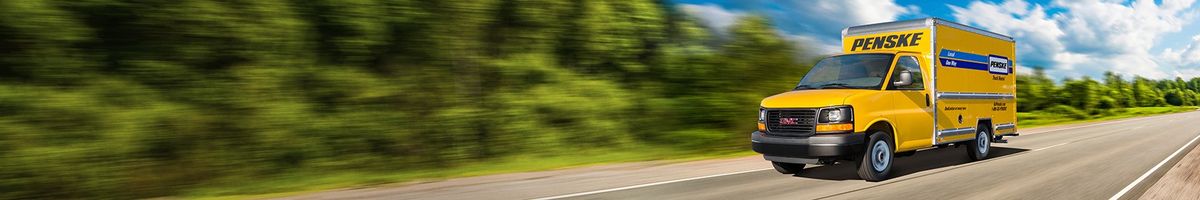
(952, 58)
(963, 64)
(946, 53)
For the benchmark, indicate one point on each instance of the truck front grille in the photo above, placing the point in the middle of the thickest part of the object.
(791, 122)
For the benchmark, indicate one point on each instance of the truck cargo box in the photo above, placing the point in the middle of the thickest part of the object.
(973, 77)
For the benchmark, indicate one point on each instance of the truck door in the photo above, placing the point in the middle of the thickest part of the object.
(914, 112)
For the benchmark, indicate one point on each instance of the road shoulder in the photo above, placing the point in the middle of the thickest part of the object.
(530, 185)
(1182, 181)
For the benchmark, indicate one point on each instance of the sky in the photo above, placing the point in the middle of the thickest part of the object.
(1069, 38)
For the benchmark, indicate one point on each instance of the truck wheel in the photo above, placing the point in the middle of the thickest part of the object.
(978, 149)
(876, 162)
(787, 168)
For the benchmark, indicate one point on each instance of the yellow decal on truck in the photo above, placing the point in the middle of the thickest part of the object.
(887, 41)
(911, 40)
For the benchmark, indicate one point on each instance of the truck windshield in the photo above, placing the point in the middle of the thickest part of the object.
(857, 71)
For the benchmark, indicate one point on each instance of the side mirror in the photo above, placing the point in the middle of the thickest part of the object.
(905, 79)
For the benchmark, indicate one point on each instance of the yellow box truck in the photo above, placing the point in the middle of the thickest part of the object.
(899, 87)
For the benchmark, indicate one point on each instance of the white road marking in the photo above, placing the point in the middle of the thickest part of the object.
(1051, 146)
(1069, 142)
(646, 185)
(1091, 125)
(1155, 168)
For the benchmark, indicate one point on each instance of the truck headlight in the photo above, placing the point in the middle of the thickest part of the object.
(835, 120)
(762, 115)
(836, 115)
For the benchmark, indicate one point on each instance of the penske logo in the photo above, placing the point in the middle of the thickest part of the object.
(888, 41)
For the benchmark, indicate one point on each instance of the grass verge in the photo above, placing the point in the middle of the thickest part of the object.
(1044, 118)
(310, 181)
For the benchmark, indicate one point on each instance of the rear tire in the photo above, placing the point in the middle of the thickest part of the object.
(979, 148)
(787, 168)
(876, 163)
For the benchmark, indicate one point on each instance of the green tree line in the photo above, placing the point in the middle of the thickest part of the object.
(1084, 97)
(135, 99)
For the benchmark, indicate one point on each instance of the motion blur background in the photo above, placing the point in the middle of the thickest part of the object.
(202, 98)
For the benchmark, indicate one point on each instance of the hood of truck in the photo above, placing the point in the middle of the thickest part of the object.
(811, 98)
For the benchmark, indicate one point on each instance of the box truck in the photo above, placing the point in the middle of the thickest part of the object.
(897, 88)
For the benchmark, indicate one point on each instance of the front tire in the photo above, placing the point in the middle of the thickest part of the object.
(787, 168)
(978, 149)
(876, 163)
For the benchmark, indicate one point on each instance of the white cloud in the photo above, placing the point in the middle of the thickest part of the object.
(1189, 55)
(1023, 70)
(827, 18)
(1187, 73)
(1184, 62)
(1114, 28)
(853, 12)
(720, 19)
(1036, 33)
(1089, 36)
(713, 16)
(815, 47)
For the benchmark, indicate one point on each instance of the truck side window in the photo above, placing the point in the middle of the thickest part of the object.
(909, 63)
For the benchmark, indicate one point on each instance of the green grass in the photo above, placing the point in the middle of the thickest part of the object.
(1042, 118)
(311, 181)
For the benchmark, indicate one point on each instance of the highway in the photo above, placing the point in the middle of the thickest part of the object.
(1101, 160)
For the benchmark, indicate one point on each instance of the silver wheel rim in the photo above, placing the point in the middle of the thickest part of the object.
(881, 155)
(983, 142)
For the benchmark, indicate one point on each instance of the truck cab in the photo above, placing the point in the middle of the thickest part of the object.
(881, 99)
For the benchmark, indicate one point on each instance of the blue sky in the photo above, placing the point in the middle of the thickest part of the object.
(1070, 38)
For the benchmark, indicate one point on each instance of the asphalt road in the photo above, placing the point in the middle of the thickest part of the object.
(1117, 159)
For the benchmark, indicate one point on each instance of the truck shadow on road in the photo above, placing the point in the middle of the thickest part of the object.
(922, 161)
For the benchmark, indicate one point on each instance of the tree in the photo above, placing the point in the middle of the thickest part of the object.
(1194, 84)
(1119, 90)
(1144, 94)
(1036, 92)
(1082, 94)
(1174, 97)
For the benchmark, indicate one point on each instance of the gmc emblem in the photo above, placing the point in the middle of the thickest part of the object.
(789, 121)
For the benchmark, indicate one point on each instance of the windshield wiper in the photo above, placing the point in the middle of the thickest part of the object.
(840, 85)
(799, 87)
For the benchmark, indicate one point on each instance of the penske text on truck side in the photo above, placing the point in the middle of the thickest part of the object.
(898, 87)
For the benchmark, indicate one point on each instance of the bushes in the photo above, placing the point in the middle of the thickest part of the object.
(1039, 93)
(704, 139)
(1067, 111)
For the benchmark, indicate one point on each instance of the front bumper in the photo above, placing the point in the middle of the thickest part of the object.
(812, 147)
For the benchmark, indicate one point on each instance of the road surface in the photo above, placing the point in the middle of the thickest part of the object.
(1104, 160)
